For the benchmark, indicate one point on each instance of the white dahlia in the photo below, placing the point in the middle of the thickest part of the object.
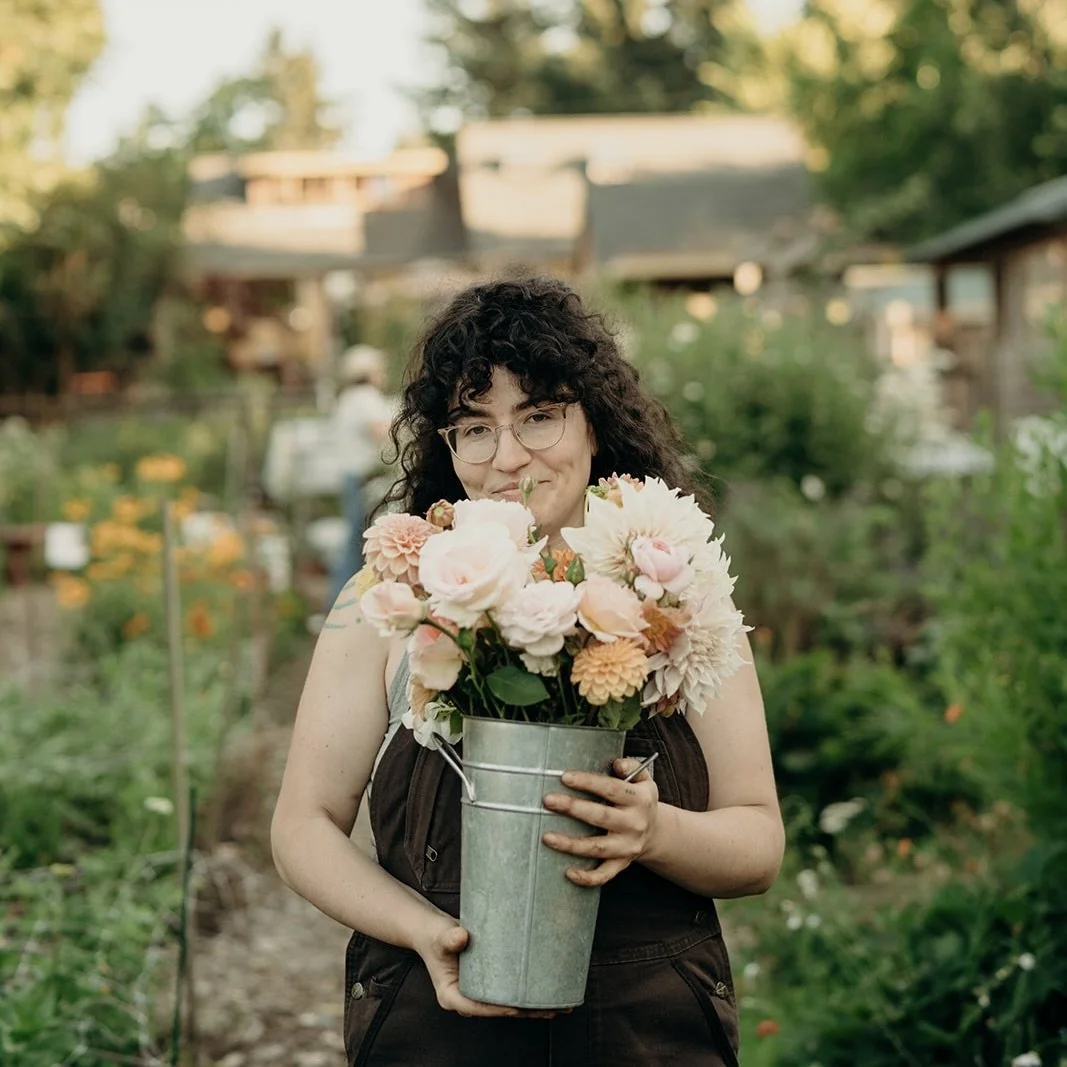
(700, 659)
(653, 510)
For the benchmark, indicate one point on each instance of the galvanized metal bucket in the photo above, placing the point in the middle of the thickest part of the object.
(531, 928)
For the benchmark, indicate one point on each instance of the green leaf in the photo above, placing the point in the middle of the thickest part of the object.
(620, 714)
(517, 687)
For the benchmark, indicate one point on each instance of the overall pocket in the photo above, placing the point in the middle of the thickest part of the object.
(432, 825)
(374, 973)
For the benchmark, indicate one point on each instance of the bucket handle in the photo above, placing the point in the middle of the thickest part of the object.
(455, 761)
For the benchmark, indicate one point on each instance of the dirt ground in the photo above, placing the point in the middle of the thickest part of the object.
(268, 968)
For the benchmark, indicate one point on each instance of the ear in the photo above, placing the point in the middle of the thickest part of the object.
(593, 446)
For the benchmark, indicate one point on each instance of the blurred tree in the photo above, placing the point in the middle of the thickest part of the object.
(277, 106)
(923, 113)
(46, 48)
(582, 56)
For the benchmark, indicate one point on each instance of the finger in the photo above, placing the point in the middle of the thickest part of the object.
(474, 1009)
(626, 765)
(598, 847)
(599, 875)
(602, 816)
(455, 940)
(603, 785)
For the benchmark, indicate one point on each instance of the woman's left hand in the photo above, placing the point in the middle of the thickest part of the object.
(628, 819)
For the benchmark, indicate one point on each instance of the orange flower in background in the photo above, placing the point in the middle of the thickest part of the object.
(135, 625)
(129, 510)
(767, 1028)
(243, 580)
(953, 712)
(77, 510)
(609, 671)
(226, 549)
(198, 620)
(71, 592)
(904, 848)
(163, 467)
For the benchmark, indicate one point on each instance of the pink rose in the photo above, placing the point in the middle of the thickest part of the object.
(537, 618)
(664, 567)
(471, 570)
(609, 611)
(434, 658)
(392, 608)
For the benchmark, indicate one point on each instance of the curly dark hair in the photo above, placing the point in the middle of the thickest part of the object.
(538, 329)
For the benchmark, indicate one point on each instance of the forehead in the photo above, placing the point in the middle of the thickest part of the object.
(504, 396)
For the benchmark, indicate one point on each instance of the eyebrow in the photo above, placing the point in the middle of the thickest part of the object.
(462, 411)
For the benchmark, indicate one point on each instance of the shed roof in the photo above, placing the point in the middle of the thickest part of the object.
(1042, 206)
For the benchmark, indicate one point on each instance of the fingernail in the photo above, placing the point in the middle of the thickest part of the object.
(567, 778)
(553, 800)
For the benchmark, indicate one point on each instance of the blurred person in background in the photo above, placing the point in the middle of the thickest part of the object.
(360, 428)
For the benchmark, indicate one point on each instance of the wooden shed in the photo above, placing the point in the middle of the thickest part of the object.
(1023, 244)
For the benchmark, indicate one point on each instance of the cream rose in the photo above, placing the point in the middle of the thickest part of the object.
(434, 658)
(537, 618)
(509, 513)
(471, 570)
(609, 611)
(392, 608)
(664, 567)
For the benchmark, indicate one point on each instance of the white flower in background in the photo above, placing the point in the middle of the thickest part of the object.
(835, 817)
(752, 971)
(473, 570)
(808, 882)
(813, 487)
(159, 805)
(699, 660)
(648, 510)
(813, 921)
(392, 608)
(682, 334)
(983, 1000)
(794, 922)
(1041, 452)
(1027, 1059)
(538, 617)
(435, 659)
(510, 513)
(1026, 961)
(663, 567)
(547, 666)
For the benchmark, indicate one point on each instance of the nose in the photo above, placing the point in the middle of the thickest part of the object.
(510, 455)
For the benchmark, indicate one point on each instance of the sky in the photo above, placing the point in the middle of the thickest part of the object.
(173, 52)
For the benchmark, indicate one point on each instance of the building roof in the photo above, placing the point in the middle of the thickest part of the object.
(701, 224)
(1038, 208)
(250, 261)
(524, 183)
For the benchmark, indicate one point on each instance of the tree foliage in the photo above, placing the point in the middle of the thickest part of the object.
(581, 56)
(46, 48)
(925, 113)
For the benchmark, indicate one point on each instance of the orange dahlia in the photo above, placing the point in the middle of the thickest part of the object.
(664, 625)
(609, 671)
(561, 559)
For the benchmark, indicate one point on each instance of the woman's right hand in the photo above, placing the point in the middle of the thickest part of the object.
(440, 948)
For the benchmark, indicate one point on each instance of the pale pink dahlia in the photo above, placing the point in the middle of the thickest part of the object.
(392, 546)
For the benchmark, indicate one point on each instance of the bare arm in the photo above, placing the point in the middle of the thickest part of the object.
(733, 849)
(340, 724)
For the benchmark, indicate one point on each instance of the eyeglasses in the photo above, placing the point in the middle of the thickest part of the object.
(477, 442)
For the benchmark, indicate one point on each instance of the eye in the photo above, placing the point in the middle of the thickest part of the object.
(472, 432)
(542, 415)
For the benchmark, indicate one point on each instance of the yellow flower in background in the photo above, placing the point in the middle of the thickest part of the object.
(77, 510)
(71, 591)
(162, 467)
(198, 620)
(129, 510)
(111, 472)
(243, 580)
(135, 625)
(226, 549)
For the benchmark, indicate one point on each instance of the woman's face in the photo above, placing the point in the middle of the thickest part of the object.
(561, 472)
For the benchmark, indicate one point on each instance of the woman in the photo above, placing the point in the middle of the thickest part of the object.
(552, 400)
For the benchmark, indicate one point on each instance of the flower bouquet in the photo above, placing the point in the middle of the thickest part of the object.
(521, 648)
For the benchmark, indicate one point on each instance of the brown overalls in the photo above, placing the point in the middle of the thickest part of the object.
(659, 990)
